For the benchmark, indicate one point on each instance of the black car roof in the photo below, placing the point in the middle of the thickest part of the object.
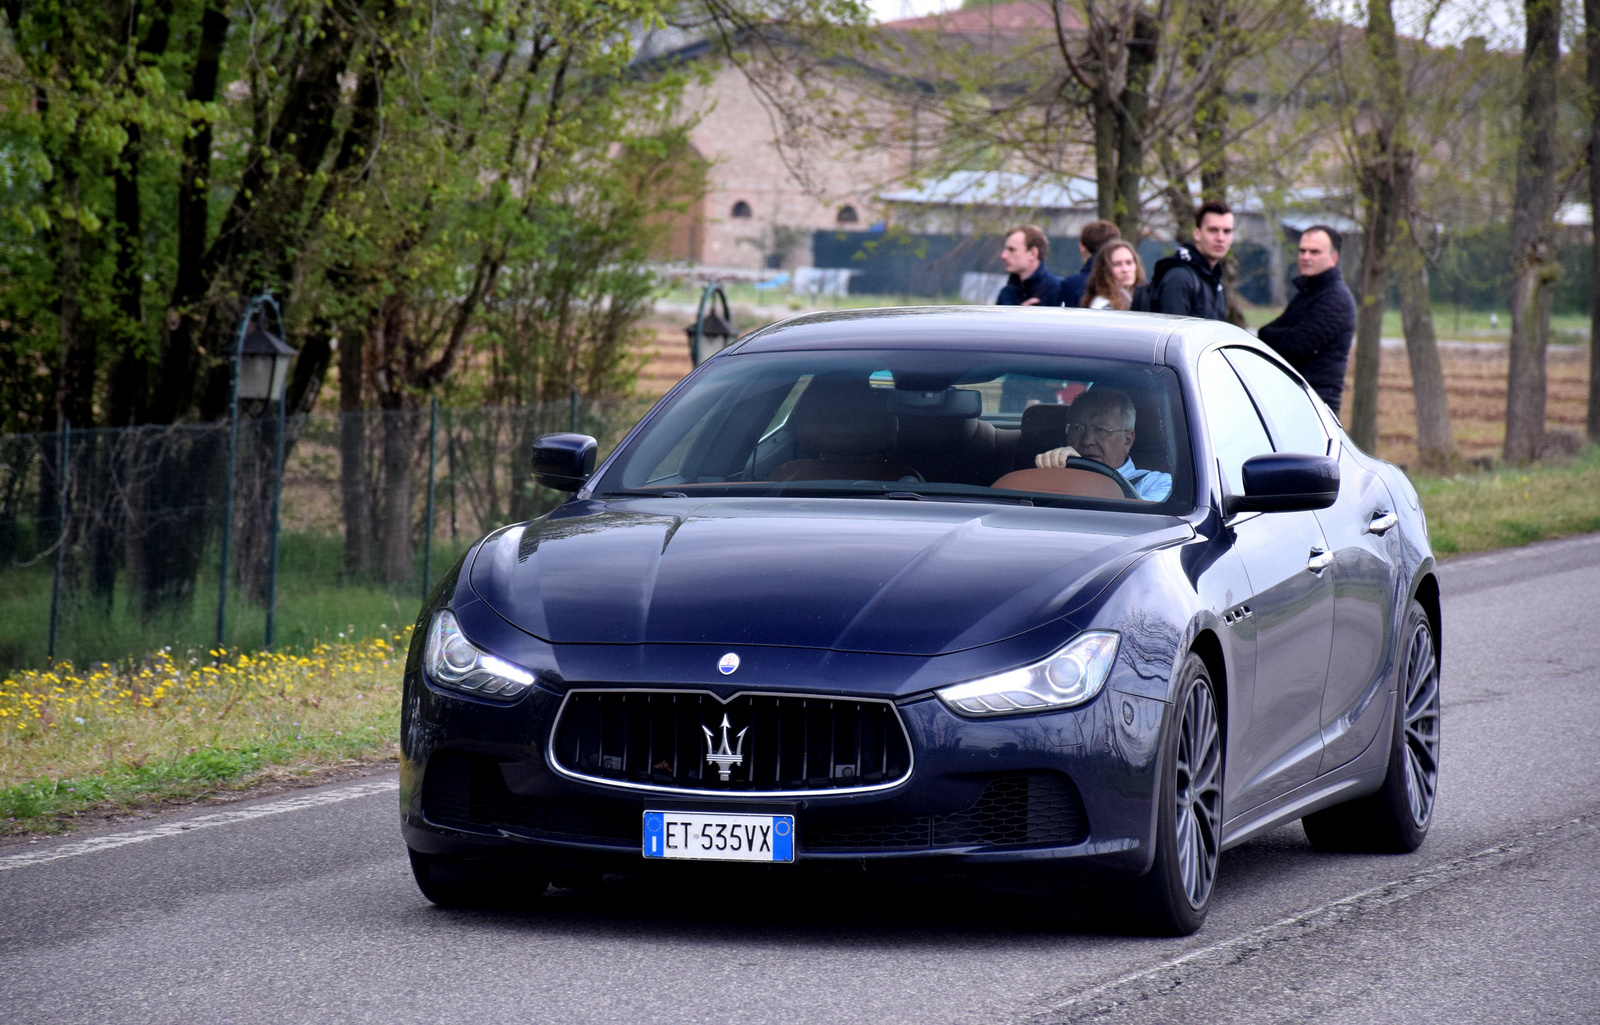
(1095, 333)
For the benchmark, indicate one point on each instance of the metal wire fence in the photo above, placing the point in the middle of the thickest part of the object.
(112, 542)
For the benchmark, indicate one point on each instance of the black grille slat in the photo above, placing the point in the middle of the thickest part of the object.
(1013, 811)
(791, 743)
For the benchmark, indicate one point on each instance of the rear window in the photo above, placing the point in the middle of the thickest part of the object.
(959, 426)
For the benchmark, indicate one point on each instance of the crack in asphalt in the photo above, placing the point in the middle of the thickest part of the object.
(1157, 980)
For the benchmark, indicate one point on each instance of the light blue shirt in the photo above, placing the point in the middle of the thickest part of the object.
(1151, 485)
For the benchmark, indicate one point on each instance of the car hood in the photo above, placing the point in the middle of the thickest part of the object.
(914, 578)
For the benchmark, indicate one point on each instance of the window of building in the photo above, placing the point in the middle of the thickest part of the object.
(847, 215)
(741, 209)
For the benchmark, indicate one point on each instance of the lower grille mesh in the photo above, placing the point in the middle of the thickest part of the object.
(1013, 811)
(468, 791)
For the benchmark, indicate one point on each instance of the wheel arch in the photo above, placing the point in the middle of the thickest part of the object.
(1207, 645)
(1426, 592)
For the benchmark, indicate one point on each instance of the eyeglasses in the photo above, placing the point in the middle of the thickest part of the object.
(1097, 433)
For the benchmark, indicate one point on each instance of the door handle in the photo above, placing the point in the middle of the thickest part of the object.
(1381, 522)
(1319, 561)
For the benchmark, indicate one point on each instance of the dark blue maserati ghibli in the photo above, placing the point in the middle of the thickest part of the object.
(1074, 599)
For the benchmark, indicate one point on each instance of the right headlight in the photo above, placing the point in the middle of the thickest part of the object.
(450, 660)
(1070, 677)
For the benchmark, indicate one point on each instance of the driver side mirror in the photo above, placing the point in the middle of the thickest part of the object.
(1286, 482)
(564, 461)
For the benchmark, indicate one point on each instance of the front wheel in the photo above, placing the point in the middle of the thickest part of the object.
(1173, 897)
(1395, 820)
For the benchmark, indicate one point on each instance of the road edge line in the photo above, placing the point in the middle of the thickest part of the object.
(111, 841)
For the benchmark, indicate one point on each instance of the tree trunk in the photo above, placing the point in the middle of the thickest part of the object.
(1134, 106)
(1105, 152)
(1435, 445)
(1533, 267)
(1591, 28)
(355, 488)
(1382, 212)
(394, 521)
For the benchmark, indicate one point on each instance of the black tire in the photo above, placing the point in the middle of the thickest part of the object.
(1173, 897)
(454, 882)
(1395, 820)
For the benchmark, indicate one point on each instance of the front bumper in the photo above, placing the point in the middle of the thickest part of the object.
(1069, 793)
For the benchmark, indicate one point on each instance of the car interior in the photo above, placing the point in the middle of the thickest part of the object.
(950, 423)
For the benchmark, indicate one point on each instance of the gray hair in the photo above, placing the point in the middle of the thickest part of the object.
(1096, 399)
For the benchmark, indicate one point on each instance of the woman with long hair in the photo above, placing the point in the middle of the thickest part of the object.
(1117, 272)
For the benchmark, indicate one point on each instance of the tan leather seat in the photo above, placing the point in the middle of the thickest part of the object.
(844, 421)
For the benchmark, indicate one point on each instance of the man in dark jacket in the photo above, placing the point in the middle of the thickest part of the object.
(1023, 256)
(1317, 326)
(1094, 235)
(1189, 282)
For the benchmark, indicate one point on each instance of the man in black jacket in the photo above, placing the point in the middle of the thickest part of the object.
(1189, 282)
(1094, 235)
(1316, 328)
(1029, 283)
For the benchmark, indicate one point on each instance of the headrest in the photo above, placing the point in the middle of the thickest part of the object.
(1045, 417)
(842, 416)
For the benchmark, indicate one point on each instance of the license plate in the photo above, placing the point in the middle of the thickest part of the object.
(718, 836)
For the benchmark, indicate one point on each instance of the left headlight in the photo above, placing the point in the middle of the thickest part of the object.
(451, 660)
(1070, 677)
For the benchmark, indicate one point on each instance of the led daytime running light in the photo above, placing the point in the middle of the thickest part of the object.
(1070, 677)
(455, 662)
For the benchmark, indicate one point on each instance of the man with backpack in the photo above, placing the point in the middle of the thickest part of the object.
(1189, 282)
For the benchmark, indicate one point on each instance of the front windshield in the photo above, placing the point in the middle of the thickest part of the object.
(960, 426)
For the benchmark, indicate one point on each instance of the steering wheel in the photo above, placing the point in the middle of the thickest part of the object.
(1079, 463)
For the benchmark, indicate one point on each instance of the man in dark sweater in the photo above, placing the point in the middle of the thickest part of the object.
(1023, 257)
(1317, 326)
(1189, 282)
(1094, 235)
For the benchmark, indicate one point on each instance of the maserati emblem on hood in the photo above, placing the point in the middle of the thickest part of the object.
(724, 758)
(727, 664)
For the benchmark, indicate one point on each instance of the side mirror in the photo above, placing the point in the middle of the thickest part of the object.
(564, 461)
(1286, 482)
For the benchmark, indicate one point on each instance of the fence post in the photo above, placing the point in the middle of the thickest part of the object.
(427, 538)
(61, 540)
(272, 537)
(574, 427)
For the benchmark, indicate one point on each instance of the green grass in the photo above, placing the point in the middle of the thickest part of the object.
(745, 294)
(315, 603)
(1450, 324)
(1504, 508)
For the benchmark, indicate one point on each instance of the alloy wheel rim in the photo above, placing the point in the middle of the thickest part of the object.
(1199, 794)
(1421, 726)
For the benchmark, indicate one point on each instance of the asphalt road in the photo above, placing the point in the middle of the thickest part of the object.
(302, 909)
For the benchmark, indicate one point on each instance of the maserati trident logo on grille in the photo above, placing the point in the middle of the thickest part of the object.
(727, 664)
(724, 759)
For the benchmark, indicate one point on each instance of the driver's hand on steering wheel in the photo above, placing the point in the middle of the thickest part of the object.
(1057, 457)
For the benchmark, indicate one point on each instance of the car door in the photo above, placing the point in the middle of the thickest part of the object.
(1362, 541)
(1278, 746)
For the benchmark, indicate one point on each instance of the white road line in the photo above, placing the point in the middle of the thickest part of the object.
(1097, 1001)
(1451, 562)
(221, 818)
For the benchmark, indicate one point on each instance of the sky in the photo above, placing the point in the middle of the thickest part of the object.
(1499, 20)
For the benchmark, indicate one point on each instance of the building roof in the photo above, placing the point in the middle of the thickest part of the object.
(998, 188)
(1019, 18)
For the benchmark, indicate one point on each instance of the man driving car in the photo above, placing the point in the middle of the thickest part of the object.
(1101, 429)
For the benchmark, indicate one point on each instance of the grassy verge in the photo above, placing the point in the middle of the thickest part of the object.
(165, 729)
(1508, 507)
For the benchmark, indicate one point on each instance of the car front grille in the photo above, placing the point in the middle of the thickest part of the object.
(1043, 808)
(468, 791)
(772, 743)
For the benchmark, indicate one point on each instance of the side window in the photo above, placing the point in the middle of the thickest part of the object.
(1231, 420)
(1296, 427)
